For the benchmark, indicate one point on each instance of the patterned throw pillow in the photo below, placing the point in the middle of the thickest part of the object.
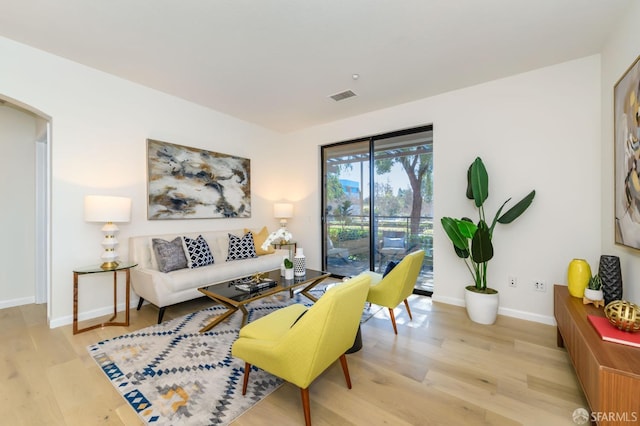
(241, 248)
(259, 239)
(199, 253)
(169, 254)
(390, 267)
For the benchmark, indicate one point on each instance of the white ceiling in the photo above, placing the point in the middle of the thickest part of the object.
(276, 62)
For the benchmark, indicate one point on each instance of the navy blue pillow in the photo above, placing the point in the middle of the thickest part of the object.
(390, 267)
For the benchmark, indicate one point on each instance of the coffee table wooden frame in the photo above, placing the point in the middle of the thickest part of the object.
(308, 281)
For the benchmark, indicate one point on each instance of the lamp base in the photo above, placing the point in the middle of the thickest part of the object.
(109, 265)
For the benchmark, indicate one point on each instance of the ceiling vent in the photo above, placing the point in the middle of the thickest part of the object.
(343, 95)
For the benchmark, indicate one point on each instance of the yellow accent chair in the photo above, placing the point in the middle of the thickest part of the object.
(397, 285)
(298, 344)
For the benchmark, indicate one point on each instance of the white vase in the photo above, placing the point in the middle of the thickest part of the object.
(282, 268)
(288, 274)
(482, 308)
(593, 295)
(299, 264)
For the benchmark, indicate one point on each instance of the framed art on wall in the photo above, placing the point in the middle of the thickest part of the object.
(627, 157)
(192, 183)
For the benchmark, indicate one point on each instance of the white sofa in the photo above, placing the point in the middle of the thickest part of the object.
(168, 288)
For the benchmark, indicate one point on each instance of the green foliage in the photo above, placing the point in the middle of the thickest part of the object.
(473, 242)
(595, 282)
(288, 264)
(348, 233)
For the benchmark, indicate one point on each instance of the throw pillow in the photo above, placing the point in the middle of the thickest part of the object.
(259, 239)
(169, 254)
(199, 252)
(241, 248)
(390, 267)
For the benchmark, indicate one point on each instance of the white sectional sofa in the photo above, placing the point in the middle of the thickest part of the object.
(167, 288)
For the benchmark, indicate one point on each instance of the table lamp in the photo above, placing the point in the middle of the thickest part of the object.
(283, 211)
(100, 208)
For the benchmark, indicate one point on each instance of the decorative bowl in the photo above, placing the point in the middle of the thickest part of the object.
(623, 315)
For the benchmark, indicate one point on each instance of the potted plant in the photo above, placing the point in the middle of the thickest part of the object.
(472, 242)
(593, 291)
(288, 269)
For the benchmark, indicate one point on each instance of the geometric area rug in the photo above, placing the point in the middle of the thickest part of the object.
(171, 374)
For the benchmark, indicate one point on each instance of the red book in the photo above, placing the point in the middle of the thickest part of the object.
(611, 334)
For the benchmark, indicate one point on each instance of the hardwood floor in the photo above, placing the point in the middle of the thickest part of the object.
(441, 369)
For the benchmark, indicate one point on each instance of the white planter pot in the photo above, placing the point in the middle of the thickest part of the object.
(593, 295)
(482, 308)
(288, 274)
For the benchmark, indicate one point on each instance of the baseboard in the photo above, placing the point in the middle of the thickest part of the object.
(17, 302)
(82, 316)
(513, 313)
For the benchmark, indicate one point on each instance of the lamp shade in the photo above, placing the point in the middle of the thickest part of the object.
(102, 208)
(283, 210)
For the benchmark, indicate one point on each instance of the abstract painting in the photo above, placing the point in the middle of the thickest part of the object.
(192, 183)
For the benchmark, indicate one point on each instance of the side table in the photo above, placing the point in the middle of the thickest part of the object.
(126, 268)
(290, 245)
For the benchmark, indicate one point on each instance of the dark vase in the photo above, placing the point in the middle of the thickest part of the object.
(611, 275)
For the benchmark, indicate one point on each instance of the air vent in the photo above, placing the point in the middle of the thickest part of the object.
(343, 95)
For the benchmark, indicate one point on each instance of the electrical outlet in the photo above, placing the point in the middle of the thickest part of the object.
(513, 281)
(539, 285)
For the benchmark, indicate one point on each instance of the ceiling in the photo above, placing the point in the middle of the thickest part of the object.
(276, 62)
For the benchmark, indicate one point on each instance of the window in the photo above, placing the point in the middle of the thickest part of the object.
(377, 198)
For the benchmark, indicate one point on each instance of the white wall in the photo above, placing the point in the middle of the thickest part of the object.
(99, 127)
(18, 133)
(539, 130)
(618, 54)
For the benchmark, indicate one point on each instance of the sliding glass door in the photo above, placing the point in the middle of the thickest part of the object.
(377, 202)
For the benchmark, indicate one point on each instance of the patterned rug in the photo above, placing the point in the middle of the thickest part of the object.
(172, 374)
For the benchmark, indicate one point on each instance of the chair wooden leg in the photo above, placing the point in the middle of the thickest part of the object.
(393, 320)
(247, 369)
(345, 370)
(305, 406)
(406, 303)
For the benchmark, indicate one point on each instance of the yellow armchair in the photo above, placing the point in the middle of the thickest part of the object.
(397, 285)
(298, 344)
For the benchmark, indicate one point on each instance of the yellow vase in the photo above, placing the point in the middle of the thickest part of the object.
(578, 277)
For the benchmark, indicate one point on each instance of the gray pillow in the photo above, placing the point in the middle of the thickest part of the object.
(169, 254)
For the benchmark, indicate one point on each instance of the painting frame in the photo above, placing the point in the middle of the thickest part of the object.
(626, 122)
(192, 183)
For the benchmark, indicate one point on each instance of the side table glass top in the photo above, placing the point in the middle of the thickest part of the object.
(94, 269)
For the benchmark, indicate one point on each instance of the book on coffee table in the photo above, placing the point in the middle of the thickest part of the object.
(611, 334)
(253, 286)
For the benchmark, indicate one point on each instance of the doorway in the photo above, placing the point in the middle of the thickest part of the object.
(377, 203)
(27, 132)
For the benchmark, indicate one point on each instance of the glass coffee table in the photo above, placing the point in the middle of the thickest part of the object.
(234, 296)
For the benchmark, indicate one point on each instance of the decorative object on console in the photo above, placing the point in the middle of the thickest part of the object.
(623, 315)
(192, 183)
(108, 209)
(611, 276)
(593, 292)
(578, 275)
(283, 211)
(299, 263)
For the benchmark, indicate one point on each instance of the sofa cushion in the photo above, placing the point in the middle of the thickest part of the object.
(199, 253)
(259, 239)
(169, 254)
(241, 248)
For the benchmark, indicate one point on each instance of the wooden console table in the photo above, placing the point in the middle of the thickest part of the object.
(609, 373)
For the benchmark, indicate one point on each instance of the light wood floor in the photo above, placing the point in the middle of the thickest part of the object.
(440, 370)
